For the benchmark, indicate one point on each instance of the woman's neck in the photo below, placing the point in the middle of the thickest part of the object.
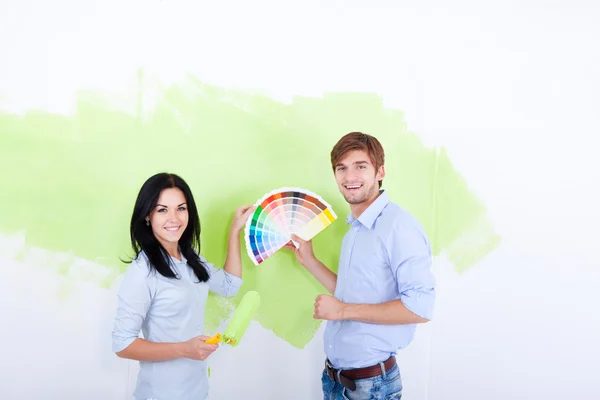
(173, 250)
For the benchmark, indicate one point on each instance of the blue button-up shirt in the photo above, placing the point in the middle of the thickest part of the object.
(167, 310)
(385, 256)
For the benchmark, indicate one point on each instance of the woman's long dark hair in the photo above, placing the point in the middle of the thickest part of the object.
(143, 239)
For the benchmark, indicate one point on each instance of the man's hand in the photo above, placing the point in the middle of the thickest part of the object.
(196, 349)
(306, 258)
(329, 308)
(304, 253)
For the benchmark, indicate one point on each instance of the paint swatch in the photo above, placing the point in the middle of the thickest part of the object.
(281, 213)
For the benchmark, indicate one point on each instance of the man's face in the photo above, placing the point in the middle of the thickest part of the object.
(356, 177)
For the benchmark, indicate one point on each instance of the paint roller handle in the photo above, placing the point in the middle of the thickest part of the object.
(214, 340)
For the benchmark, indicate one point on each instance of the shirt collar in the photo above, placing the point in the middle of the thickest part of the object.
(368, 217)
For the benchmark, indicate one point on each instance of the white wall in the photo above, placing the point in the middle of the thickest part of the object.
(510, 89)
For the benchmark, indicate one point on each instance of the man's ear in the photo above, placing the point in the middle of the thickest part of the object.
(381, 173)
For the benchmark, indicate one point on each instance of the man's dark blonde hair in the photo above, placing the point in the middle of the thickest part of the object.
(358, 141)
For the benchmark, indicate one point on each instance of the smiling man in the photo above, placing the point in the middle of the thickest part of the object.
(384, 285)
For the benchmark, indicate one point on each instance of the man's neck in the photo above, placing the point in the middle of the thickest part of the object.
(358, 209)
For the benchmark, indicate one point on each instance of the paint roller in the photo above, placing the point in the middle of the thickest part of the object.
(239, 321)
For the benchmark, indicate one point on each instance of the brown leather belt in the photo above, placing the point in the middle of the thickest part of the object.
(348, 376)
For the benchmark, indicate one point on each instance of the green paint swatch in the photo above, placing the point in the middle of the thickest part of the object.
(74, 180)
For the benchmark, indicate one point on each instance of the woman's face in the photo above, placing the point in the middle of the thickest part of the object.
(169, 218)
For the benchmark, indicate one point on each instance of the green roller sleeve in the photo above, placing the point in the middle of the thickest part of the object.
(241, 318)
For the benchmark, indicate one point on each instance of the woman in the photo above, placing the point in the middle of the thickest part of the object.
(165, 288)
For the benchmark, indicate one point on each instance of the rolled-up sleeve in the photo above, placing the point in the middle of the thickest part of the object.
(221, 281)
(411, 258)
(133, 301)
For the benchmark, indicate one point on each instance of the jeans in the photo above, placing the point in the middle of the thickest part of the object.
(387, 386)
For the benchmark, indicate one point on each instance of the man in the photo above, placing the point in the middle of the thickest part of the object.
(384, 285)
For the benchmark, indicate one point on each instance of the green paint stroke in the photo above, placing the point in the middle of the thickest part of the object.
(74, 179)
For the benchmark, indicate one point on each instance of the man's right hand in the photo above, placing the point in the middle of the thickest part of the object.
(306, 257)
(304, 253)
(197, 349)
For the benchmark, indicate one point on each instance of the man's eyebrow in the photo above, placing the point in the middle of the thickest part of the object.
(356, 162)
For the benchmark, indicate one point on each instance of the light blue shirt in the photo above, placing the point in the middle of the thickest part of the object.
(385, 256)
(167, 310)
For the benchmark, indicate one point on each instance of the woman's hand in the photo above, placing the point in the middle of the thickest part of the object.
(240, 217)
(197, 349)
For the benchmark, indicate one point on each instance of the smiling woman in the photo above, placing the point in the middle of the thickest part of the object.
(165, 219)
(168, 219)
(164, 291)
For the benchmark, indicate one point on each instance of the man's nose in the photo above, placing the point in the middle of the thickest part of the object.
(351, 175)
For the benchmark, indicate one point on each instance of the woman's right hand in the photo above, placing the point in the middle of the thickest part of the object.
(197, 349)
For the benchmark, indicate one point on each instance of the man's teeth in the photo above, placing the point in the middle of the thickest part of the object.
(353, 187)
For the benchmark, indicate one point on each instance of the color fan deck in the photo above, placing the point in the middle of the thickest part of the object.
(279, 214)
